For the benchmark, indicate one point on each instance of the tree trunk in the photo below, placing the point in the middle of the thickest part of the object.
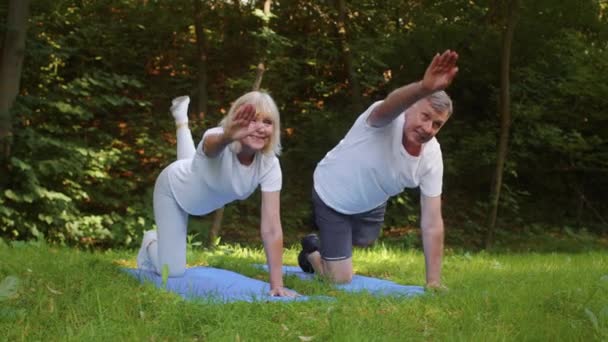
(218, 215)
(258, 77)
(203, 99)
(505, 119)
(347, 58)
(13, 50)
(201, 48)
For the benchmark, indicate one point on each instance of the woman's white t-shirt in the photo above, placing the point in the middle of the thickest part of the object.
(202, 184)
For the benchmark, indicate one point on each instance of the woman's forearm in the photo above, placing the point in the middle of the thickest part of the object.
(214, 144)
(273, 246)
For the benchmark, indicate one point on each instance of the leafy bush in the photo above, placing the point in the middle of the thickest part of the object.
(72, 180)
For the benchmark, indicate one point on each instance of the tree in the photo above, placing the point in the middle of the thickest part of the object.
(218, 215)
(347, 56)
(202, 60)
(13, 51)
(505, 117)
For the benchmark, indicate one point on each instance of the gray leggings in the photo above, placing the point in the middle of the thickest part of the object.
(171, 219)
(339, 232)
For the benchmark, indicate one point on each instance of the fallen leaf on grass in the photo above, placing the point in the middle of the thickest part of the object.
(593, 319)
(8, 287)
(53, 291)
(306, 338)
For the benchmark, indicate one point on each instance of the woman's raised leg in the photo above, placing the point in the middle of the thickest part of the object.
(185, 144)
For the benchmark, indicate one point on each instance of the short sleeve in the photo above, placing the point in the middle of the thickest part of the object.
(363, 117)
(214, 130)
(431, 182)
(272, 178)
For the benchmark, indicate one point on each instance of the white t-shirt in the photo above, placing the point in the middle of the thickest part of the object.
(370, 165)
(202, 184)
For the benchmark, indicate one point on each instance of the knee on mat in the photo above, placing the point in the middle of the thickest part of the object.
(342, 278)
(176, 272)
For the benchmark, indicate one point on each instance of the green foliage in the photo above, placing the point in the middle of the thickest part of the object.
(165, 275)
(67, 171)
(402, 210)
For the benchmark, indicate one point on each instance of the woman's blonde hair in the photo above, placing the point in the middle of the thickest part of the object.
(264, 105)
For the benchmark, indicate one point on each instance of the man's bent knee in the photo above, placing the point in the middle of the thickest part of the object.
(340, 271)
(341, 278)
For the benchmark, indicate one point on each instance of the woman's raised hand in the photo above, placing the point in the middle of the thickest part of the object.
(243, 123)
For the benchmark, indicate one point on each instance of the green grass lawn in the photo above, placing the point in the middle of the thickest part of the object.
(57, 293)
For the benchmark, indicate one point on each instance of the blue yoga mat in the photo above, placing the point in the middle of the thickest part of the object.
(375, 286)
(214, 284)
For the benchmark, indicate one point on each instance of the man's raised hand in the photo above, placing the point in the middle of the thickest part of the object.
(440, 73)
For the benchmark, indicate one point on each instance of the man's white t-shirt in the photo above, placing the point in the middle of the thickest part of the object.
(370, 165)
(202, 184)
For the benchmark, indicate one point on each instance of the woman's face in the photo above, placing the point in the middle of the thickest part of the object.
(262, 128)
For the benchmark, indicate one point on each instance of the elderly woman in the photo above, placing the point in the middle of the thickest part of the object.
(229, 163)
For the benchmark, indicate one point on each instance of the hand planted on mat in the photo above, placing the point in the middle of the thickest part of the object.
(436, 287)
(282, 292)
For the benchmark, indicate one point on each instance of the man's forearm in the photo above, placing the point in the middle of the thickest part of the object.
(432, 239)
(398, 101)
(437, 76)
(402, 98)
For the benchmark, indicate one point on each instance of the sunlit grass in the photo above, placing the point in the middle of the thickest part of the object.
(66, 294)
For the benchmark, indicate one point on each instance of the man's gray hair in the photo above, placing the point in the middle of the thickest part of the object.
(440, 101)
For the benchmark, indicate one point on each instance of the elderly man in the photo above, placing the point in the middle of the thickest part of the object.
(391, 146)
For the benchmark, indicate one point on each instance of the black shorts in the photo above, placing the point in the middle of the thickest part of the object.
(339, 232)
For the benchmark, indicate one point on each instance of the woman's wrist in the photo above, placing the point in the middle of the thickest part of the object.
(274, 283)
(227, 138)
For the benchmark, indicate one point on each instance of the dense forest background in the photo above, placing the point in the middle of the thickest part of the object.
(89, 129)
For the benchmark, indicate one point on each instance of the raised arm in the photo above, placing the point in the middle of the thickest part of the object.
(438, 76)
(272, 236)
(241, 126)
(431, 222)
